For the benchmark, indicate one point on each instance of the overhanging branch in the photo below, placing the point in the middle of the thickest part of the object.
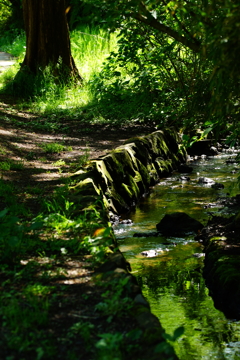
(149, 20)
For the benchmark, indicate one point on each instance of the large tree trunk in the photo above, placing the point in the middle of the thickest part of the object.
(47, 35)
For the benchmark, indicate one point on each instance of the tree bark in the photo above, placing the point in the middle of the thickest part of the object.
(47, 37)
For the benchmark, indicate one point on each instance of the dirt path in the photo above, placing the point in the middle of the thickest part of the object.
(6, 60)
(27, 156)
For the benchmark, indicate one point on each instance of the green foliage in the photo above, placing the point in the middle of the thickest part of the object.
(13, 238)
(13, 43)
(114, 303)
(11, 165)
(54, 148)
(110, 346)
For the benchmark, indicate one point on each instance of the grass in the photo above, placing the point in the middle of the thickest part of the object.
(97, 101)
(90, 48)
(35, 296)
(55, 148)
(11, 165)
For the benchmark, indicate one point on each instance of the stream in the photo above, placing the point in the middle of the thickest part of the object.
(172, 281)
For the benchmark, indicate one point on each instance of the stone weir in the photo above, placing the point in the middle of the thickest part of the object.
(113, 184)
(121, 177)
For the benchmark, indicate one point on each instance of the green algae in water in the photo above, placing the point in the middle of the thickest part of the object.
(172, 282)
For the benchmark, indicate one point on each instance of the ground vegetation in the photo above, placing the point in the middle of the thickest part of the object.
(145, 66)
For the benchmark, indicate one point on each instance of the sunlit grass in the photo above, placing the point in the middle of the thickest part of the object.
(90, 48)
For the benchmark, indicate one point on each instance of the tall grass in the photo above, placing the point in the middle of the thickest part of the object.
(90, 48)
(13, 43)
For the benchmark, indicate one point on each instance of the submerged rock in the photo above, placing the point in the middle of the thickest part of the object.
(205, 180)
(153, 253)
(184, 168)
(178, 223)
(217, 186)
(149, 253)
(184, 178)
(146, 234)
(210, 182)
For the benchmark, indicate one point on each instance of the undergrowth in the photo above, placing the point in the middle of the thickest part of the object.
(97, 101)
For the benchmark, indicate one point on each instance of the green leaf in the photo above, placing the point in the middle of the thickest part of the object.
(13, 241)
(206, 131)
(185, 137)
(117, 73)
(36, 226)
(178, 332)
(3, 212)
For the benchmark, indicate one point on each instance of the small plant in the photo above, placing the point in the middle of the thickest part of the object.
(165, 347)
(13, 239)
(5, 166)
(84, 329)
(52, 148)
(11, 165)
(21, 316)
(59, 163)
(114, 302)
(31, 155)
(109, 346)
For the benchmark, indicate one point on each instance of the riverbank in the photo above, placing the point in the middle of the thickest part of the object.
(222, 261)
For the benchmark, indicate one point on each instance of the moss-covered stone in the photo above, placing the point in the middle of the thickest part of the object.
(87, 186)
(126, 173)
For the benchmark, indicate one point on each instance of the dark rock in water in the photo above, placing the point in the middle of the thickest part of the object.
(146, 234)
(184, 168)
(231, 161)
(200, 147)
(184, 178)
(213, 150)
(217, 186)
(149, 253)
(205, 180)
(178, 223)
(212, 183)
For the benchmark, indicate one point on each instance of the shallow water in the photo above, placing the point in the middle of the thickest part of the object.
(172, 281)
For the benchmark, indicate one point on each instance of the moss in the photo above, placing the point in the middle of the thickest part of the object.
(130, 191)
(127, 172)
(144, 174)
(162, 166)
(141, 149)
(158, 144)
(218, 238)
(129, 165)
(117, 200)
(154, 177)
(86, 186)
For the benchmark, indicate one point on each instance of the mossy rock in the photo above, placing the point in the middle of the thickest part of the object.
(117, 200)
(163, 166)
(141, 148)
(158, 146)
(86, 187)
(130, 191)
(144, 174)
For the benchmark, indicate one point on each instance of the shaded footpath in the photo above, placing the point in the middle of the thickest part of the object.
(96, 309)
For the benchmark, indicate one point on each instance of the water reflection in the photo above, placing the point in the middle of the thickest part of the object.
(172, 281)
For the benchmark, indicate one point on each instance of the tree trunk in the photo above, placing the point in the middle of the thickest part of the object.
(47, 36)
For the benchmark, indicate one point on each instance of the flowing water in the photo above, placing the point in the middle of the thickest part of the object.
(172, 281)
